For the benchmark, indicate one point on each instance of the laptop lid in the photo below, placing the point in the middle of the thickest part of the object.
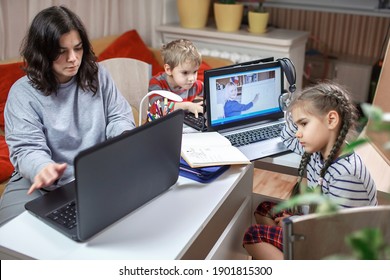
(265, 79)
(119, 175)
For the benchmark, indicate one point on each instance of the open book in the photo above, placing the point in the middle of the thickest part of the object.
(209, 149)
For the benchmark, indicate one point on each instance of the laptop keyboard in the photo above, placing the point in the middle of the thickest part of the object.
(256, 135)
(65, 216)
(197, 123)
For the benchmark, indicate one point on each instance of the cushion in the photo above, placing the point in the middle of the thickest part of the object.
(6, 166)
(9, 74)
(130, 45)
(203, 67)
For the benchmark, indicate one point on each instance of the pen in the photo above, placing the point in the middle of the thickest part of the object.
(170, 106)
(165, 111)
(159, 107)
(151, 116)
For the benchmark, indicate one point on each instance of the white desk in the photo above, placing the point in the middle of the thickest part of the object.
(287, 163)
(183, 223)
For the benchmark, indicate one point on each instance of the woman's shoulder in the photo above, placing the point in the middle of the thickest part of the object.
(21, 87)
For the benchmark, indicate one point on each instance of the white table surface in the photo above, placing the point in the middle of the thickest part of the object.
(164, 228)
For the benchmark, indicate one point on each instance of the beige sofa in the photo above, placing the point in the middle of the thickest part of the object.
(100, 44)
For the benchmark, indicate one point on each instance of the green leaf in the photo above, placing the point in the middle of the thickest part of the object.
(372, 112)
(366, 244)
(350, 147)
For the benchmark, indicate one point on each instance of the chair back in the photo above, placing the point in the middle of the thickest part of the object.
(317, 236)
(131, 76)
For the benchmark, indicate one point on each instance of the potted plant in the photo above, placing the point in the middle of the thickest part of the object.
(228, 15)
(258, 19)
(193, 14)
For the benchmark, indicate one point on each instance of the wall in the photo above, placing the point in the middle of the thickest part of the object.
(342, 34)
(101, 18)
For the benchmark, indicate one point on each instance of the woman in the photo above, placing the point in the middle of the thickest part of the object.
(64, 104)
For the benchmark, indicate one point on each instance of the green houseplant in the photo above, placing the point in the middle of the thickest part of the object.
(228, 15)
(258, 18)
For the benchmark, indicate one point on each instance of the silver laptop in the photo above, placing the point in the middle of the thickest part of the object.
(114, 178)
(256, 129)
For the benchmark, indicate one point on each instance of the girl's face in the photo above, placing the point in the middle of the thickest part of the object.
(69, 60)
(316, 133)
(184, 75)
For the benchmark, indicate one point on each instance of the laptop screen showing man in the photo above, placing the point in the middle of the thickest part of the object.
(243, 98)
(115, 177)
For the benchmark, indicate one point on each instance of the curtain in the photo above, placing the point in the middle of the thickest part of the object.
(100, 17)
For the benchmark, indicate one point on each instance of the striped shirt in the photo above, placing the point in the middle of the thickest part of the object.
(347, 180)
(159, 82)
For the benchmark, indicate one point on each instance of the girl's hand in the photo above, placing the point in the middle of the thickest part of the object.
(279, 220)
(47, 176)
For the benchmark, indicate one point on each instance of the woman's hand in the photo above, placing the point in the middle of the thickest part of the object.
(47, 176)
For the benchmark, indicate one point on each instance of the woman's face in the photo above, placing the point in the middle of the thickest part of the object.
(69, 60)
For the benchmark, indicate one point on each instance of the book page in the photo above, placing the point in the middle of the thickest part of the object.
(210, 149)
(204, 139)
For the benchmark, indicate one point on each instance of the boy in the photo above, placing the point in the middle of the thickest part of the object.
(181, 63)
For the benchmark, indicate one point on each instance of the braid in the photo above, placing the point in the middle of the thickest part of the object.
(319, 100)
(302, 166)
(301, 170)
(347, 120)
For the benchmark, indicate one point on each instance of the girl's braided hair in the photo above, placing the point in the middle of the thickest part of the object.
(319, 100)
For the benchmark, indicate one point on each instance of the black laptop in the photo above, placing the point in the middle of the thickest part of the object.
(199, 123)
(255, 131)
(114, 178)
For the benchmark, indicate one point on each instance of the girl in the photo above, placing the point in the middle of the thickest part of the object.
(323, 117)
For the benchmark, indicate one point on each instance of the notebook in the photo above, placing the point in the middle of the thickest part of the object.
(265, 79)
(113, 178)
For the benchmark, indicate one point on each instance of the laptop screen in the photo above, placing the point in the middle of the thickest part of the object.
(243, 94)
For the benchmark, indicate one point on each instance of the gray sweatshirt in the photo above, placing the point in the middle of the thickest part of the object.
(45, 129)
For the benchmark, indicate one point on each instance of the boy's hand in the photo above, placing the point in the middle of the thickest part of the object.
(195, 108)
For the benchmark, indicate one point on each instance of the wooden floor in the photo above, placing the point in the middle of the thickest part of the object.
(272, 184)
(279, 185)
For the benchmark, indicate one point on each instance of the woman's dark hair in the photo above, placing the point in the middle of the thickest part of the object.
(41, 47)
(319, 100)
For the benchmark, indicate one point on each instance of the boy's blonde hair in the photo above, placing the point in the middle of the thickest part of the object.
(180, 51)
